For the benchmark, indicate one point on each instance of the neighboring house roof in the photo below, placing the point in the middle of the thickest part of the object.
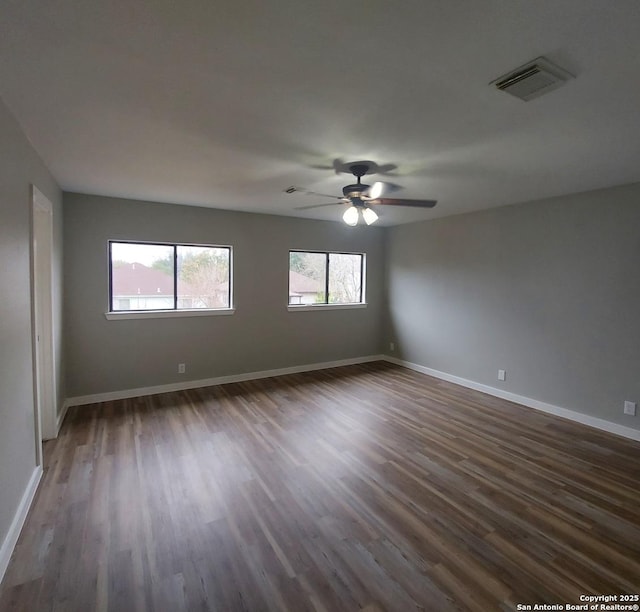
(299, 284)
(137, 279)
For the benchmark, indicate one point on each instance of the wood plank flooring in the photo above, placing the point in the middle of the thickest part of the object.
(368, 487)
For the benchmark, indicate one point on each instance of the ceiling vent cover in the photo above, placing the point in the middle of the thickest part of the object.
(533, 79)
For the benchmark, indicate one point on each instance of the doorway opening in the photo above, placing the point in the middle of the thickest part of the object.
(45, 416)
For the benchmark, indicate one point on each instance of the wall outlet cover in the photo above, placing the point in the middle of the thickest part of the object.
(502, 375)
(630, 408)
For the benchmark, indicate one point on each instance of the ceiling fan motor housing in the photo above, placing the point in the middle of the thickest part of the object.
(359, 169)
(354, 190)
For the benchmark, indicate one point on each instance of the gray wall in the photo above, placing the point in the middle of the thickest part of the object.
(549, 291)
(104, 356)
(20, 166)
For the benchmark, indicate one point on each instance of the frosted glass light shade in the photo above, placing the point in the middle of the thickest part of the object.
(369, 216)
(376, 190)
(350, 216)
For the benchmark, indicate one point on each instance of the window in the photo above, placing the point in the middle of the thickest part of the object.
(145, 277)
(325, 278)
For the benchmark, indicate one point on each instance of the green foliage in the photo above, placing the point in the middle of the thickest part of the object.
(202, 274)
(297, 262)
(210, 265)
(164, 265)
(206, 272)
(311, 265)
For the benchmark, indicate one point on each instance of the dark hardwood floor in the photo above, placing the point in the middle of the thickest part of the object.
(367, 487)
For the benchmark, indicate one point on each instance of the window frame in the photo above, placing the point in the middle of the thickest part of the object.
(112, 314)
(326, 305)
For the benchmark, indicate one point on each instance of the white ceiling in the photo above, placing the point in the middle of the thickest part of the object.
(227, 103)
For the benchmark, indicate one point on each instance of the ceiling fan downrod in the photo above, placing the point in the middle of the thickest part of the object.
(357, 189)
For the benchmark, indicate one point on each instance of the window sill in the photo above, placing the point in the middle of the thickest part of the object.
(308, 307)
(166, 314)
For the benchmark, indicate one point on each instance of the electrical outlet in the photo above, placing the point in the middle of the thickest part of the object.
(182, 368)
(392, 346)
(502, 375)
(630, 408)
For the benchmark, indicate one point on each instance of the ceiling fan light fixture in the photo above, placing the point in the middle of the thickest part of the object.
(361, 196)
(369, 216)
(350, 216)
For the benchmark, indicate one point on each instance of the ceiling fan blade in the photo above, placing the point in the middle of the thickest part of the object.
(378, 189)
(294, 189)
(318, 205)
(339, 166)
(399, 202)
(387, 169)
(342, 167)
(389, 187)
(323, 195)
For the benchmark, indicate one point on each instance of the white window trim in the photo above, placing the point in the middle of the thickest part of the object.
(309, 307)
(167, 314)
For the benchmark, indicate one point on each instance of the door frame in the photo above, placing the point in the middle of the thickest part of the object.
(44, 366)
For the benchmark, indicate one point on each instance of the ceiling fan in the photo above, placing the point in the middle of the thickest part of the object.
(361, 197)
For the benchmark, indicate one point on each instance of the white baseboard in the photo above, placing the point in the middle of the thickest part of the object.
(18, 521)
(61, 415)
(209, 382)
(620, 430)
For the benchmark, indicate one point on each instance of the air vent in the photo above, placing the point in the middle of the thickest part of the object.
(533, 79)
